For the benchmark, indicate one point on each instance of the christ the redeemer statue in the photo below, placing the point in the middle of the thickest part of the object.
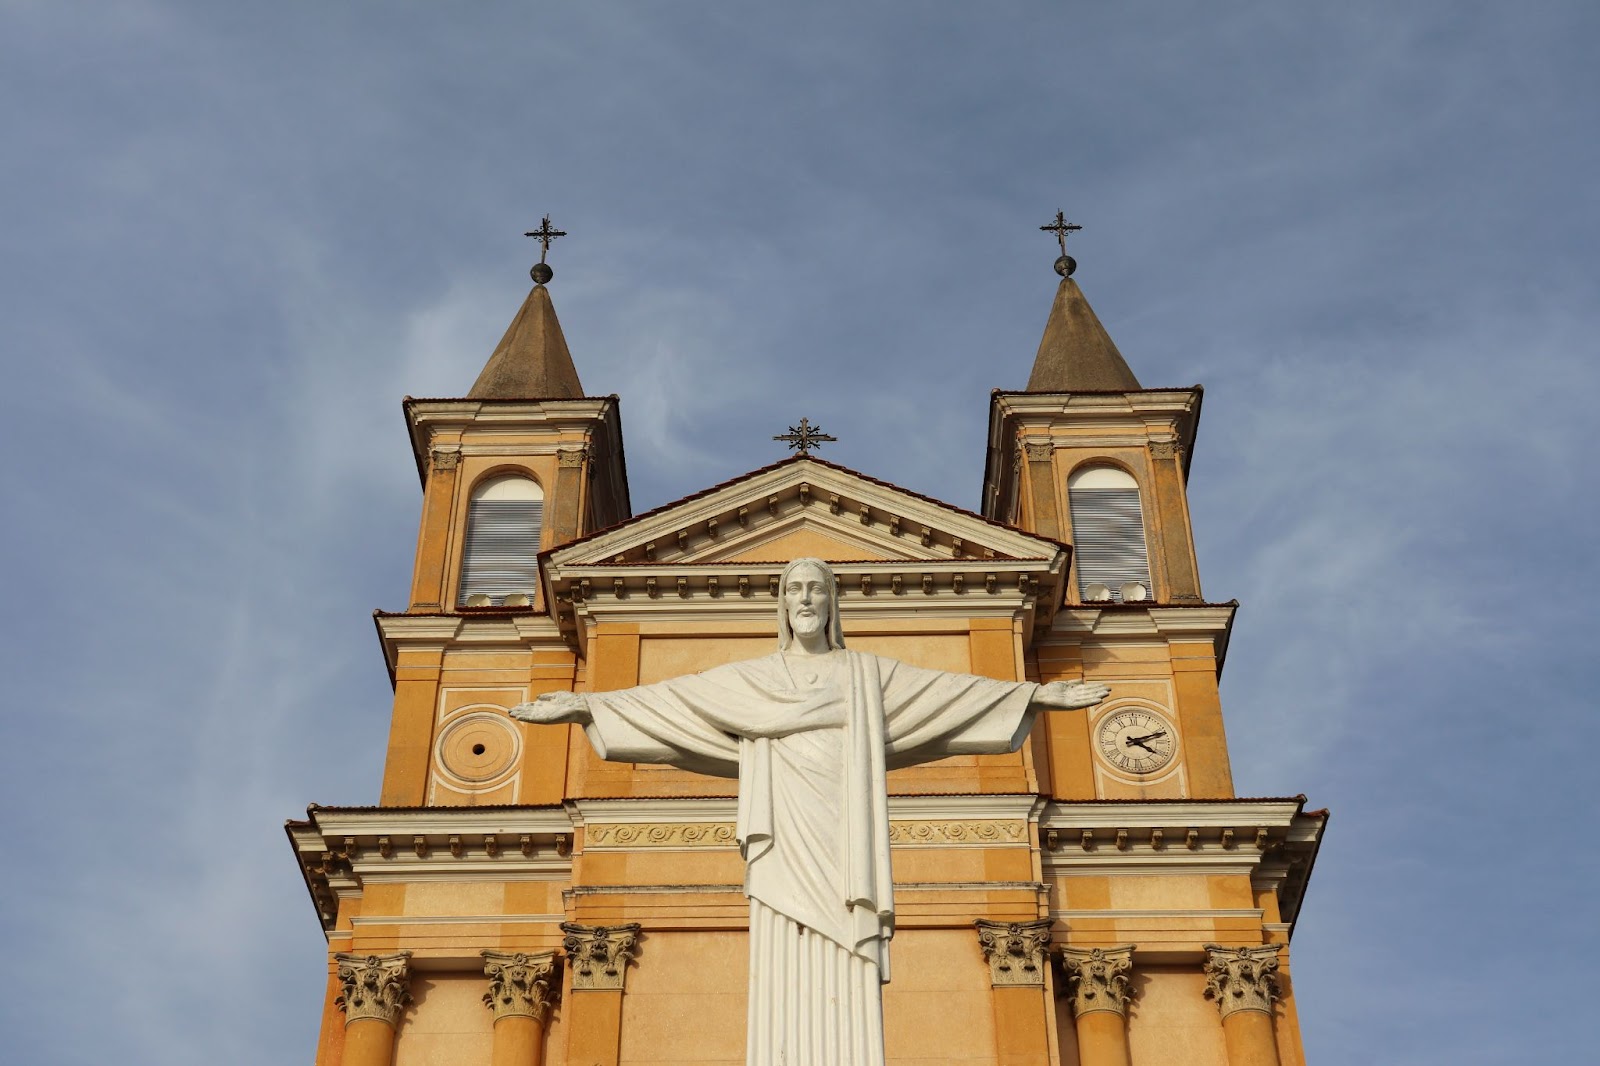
(810, 732)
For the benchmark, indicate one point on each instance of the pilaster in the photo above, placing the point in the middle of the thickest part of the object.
(1018, 954)
(597, 959)
(430, 577)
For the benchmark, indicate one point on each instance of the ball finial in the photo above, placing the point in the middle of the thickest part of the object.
(541, 273)
(1065, 265)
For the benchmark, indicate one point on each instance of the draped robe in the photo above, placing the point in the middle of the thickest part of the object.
(810, 745)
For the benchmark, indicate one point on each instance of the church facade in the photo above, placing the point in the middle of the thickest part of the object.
(1098, 898)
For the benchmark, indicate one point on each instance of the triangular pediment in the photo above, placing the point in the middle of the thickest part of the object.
(803, 507)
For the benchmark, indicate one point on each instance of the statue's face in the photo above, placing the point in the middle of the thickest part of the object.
(806, 599)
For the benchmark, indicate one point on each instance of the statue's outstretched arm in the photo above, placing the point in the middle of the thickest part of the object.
(1069, 695)
(553, 708)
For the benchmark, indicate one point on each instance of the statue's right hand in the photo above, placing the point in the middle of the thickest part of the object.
(553, 708)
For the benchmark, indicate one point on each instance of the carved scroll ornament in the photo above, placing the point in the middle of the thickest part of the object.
(520, 985)
(1015, 950)
(375, 986)
(1242, 978)
(1098, 978)
(599, 955)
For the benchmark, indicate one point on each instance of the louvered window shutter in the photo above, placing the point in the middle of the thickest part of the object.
(1108, 538)
(502, 552)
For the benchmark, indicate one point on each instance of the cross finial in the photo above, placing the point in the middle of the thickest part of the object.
(546, 233)
(1065, 264)
(804, 437)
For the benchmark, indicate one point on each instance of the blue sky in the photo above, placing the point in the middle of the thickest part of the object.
(238, 234)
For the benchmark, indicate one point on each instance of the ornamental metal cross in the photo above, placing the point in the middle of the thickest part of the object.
(545, 234)
(1061, 227)
(804, 437)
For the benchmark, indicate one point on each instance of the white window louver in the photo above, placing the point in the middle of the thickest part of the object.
(1107, 530)
(502, 547)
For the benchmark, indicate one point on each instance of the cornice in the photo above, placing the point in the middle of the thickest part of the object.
(469, 628)
(1274, 841)
(1212, 621)
(1127, 419)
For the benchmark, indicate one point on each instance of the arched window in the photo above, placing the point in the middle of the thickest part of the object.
(1108, 535)
(501, 557)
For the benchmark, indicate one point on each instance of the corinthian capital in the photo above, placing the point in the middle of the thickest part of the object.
(1015, 951)
(599, 954)
(519, 984)
(375, 986)
(1098, 978)
(1242, 978)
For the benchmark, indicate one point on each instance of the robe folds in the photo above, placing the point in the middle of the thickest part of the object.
(810, 748)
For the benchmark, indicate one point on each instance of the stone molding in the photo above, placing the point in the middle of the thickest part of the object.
(1098, 978)
(1242, 978)
(721, 834)
(375, 986)
(520, 985)
(1015, 950)
(662, 835)
(599, 954)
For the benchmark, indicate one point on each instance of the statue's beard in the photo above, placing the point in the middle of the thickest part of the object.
(806, 625)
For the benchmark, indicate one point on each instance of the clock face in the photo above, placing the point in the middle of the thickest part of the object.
(1136, 741)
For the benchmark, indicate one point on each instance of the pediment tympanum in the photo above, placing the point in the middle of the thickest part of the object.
(717, 555)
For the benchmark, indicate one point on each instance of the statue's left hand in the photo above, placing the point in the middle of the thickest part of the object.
(553, 708)
(1070, 695)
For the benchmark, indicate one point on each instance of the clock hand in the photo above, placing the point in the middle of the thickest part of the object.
(1148, 736)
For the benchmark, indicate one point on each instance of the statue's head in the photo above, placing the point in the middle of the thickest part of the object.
(808, 600)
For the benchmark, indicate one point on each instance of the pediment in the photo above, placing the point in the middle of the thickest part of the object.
(716, 557)
(803, 507)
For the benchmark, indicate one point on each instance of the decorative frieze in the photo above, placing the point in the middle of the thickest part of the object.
(1015, 950)
(721, 834)
(375, 986)
(599, 955)
(1098, 978)
(520, 985)
(1242, 978)
(664, 835)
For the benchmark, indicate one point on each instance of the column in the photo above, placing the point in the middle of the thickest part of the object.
(1097, 979)
(520, 995)
(1017, 953)
(1244, 985)
(598, 957)
(375, 993)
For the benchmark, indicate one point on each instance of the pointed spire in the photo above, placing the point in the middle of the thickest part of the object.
(1076, 353)
(532, 359)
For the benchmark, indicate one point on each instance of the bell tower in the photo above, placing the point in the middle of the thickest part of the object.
(1087, 455)
(524, 463)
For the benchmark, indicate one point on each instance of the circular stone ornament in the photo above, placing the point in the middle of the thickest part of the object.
(1136, 740)
(476, 748)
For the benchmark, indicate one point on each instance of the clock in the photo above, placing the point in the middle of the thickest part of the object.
(1135, 740)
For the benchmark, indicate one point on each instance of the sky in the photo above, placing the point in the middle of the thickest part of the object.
(237, 234)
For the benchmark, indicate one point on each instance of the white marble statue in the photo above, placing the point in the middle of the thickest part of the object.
(810, 732)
